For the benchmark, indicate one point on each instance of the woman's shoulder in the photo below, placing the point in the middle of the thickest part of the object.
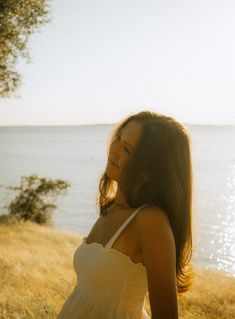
(153, 212)
(152, 222)
(155, 236)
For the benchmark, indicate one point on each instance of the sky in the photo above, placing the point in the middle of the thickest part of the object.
(98, 61)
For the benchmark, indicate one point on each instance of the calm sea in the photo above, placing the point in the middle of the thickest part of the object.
(78, 154)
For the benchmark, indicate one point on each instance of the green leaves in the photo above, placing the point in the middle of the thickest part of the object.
(18, 20)
(35, 199)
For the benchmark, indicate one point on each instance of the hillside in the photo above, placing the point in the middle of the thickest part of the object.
(36, 276)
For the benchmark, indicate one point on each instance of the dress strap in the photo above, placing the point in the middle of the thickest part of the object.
(118, 232)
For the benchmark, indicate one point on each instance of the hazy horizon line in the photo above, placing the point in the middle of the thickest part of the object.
(102, 124)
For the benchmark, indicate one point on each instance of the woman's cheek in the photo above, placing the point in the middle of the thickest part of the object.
(123, 160)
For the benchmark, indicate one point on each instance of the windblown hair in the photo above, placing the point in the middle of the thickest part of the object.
(163, 155)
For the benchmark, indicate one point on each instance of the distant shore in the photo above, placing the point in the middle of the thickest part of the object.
(36, 267)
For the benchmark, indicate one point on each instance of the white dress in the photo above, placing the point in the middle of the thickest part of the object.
(109, 284)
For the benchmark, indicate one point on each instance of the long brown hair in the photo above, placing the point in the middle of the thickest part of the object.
(163, 155)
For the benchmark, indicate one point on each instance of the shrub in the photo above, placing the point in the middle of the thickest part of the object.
(35, 200)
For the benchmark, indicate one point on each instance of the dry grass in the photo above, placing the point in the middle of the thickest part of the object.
(36, 276)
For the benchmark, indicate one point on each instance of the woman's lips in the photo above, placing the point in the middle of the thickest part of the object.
(113, 163)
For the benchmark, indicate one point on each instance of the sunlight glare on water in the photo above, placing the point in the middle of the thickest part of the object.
(226, 237)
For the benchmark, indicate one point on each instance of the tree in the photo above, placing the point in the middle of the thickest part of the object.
(30, 202)
(18, 20)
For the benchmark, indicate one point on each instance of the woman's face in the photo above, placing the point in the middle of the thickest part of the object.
(121, 148)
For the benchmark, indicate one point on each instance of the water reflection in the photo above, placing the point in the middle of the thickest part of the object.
(225, 230)
(214, 245)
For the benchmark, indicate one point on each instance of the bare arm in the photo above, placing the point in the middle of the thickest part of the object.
(158, 249)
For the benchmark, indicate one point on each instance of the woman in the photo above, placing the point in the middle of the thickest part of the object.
(142, 240)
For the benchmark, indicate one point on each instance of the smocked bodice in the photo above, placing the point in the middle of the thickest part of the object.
(109, 284)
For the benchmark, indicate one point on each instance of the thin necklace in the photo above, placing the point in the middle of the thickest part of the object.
(122, 205)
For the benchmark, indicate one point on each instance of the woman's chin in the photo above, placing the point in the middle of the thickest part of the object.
(110, 173)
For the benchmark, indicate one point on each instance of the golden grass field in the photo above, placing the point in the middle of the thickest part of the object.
(36, 276)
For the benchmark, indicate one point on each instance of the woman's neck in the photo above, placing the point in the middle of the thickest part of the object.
(120, 200)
